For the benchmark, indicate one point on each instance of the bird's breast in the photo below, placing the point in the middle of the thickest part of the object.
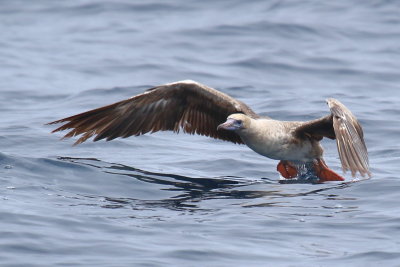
(275, 140)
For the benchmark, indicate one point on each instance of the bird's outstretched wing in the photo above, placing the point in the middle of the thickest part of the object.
(343, 126)
(187, 105)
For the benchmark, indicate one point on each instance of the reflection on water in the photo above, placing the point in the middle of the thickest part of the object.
(191, 190)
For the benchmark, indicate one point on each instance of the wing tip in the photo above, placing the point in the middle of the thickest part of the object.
(55, 122)
(333, 102)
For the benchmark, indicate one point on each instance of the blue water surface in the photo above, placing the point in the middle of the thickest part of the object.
(179, 200)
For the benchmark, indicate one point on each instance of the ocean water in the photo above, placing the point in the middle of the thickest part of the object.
(179, 200)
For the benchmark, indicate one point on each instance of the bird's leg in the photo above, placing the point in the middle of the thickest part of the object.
(286, 169)
(324, 173)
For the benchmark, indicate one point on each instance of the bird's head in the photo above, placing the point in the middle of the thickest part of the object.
(235, 122)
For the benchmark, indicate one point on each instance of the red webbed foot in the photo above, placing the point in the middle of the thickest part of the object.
(324, 173)
(286, 169)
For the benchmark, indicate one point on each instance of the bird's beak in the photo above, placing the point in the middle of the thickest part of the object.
(229, 125)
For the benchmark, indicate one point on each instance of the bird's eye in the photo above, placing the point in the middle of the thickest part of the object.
(239, 121)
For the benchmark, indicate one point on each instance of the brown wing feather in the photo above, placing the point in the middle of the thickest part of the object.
(317, 129)
(350, 139)
(343, 126)
(186, 105)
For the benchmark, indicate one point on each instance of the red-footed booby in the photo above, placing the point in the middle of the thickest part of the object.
(199, 109)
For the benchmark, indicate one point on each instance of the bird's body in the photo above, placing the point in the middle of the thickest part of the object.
(275, 139)
(198, 109)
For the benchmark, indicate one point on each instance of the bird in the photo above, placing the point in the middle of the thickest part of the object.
(195, 108)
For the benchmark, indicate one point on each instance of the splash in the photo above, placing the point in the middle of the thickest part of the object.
(305, 174)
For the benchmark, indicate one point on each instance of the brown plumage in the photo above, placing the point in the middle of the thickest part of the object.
(343, 126)
(187, 105)
(198, 109)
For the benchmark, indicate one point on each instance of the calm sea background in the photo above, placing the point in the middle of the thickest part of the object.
(180, 200)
